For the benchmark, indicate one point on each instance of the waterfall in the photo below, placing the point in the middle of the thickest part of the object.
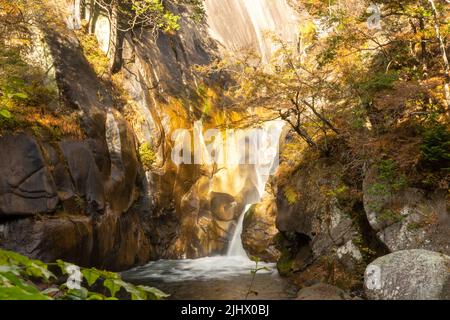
(236, 249)
(245, 179)
(262, 172)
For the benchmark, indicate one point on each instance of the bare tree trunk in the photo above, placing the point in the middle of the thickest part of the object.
(423, 45)
(321, 117)
(74, 19)
(300, 131)
(116, 38)
(94, 13)
(443, 52)
(83, 10)
(304, 135)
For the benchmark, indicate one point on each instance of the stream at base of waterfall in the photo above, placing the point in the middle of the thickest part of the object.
(212, 278)
(227, 277)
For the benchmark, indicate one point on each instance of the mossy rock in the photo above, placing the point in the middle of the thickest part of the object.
(285, 264)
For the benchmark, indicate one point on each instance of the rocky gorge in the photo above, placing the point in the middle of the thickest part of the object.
(352, 220)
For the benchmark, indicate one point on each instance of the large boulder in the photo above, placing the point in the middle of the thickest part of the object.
(405, 217)
(26, 184)
(259, 230)
(119, 241)
(69, 238)
(223, 206)
(85, 173)
(206, 219)
(309, 209)
(409, 275)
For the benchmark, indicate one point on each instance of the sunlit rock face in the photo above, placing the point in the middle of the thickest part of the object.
(192, 209)
(243, 24)
(259, 230)
(175, 200)
(217, 199)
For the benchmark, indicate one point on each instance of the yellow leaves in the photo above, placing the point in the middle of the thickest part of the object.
(308, 31)
(19, 42)
(57, 126)
(290, 194)
(10, 7)
(272, 36)
(96, 58)
(248, 70)
(176, 113)
(147, 155)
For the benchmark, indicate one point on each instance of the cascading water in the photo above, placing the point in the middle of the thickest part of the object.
(236, 249)
(262, 174)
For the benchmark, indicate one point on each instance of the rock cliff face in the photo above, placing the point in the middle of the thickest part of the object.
(259, 230)
(317, 223)
(410, 218)
(253, 22)
(89, 199)
(72, 198)
(334, 223)
(190, 210)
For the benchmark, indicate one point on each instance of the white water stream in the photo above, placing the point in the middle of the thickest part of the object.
(236, 249)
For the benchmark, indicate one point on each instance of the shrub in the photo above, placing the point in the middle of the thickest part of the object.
(435, 149)
(388, 173)
(25, 97)
(379, 81)
(95, 56)
(147, 155)
(291, 195)
(22, 278)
